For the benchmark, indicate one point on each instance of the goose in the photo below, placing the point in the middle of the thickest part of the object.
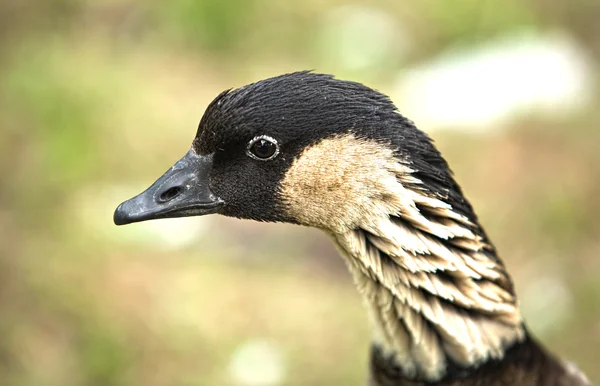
(309, 149)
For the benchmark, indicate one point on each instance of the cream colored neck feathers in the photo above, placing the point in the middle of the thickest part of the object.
(435, 290)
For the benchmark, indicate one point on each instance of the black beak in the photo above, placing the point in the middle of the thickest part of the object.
(182, 191)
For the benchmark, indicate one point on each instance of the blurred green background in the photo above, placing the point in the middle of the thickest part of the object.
(98, 98)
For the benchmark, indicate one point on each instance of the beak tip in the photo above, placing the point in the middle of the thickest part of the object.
(121, 217)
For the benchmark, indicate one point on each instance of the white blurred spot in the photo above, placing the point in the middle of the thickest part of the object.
(358, 37)
(173, 233)
(481, 88)
(546, 303)
(257, 363)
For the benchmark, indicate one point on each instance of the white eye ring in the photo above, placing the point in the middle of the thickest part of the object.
(255, 140)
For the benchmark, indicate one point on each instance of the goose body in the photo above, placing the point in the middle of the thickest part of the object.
(312, 150)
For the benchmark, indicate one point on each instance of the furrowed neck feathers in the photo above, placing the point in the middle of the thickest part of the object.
(437, 293)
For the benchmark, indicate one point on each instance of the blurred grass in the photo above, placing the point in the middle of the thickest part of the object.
(98, 98)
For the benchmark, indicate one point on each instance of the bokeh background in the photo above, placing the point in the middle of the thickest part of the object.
(99, 97)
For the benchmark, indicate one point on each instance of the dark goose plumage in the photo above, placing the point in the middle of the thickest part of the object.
(309, 149)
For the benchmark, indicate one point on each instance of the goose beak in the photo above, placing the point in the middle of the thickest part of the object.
(182, 191)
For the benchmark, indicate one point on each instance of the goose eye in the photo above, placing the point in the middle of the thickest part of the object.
(263, 148)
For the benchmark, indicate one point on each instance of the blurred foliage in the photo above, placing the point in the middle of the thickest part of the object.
(98, 97)
(212, 25)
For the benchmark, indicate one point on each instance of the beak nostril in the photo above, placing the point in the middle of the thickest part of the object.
(170, 194)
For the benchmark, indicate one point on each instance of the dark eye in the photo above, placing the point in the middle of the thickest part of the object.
(263, 148)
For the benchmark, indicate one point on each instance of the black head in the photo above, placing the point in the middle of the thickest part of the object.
(249, 138)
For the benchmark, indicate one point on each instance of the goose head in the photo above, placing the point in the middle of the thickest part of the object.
(301, 148)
